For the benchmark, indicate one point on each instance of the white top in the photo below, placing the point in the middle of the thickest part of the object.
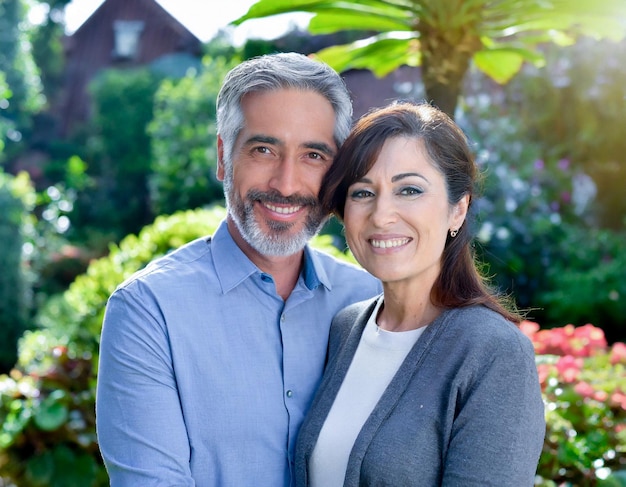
(376, 360)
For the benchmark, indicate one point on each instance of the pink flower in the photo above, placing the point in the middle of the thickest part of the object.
(600, 396)
(529, 328)
(584, 389)
(569, 368)
(618, 353)
(619, 399)
(543, 370)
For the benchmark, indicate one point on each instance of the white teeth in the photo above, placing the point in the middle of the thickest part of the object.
(388, 244)
(283, 210)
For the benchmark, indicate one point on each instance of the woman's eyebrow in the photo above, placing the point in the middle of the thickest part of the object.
(403, 175)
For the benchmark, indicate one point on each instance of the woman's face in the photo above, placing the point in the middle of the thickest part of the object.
(397, 216)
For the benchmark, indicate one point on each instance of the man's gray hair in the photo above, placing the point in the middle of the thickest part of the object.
(273, 72)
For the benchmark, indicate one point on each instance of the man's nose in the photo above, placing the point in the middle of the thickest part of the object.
(285, 177)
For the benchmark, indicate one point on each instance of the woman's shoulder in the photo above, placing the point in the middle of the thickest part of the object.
(480, 327)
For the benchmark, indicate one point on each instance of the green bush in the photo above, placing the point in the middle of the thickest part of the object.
(118, 154)
(184, 142)
(575, 108)
(537, 227)
(47, 402)
(586, 282)
(13, 286)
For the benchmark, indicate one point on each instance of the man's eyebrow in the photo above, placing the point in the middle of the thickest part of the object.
(320, 146)
(264, 139)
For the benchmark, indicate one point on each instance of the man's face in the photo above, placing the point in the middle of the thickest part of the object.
(278, 162)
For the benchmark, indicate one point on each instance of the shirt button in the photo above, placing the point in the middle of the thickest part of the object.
(289, 393)
(282, 318)
(266, 278)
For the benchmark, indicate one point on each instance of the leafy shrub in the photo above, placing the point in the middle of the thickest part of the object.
(13, 286)
(184, 142)
(118, 153)
(575, 107)
(47, 402)
(536, 230)
(584, 389)
(586, 281)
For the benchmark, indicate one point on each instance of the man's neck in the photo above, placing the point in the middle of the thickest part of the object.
(285, 270)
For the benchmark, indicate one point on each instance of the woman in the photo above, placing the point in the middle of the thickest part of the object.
(431, 384)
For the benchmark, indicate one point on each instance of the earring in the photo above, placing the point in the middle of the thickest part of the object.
(453, 233)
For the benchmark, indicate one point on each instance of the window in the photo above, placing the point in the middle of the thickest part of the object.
(127, 34)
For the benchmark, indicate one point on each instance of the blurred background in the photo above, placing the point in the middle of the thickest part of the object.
(108, 158)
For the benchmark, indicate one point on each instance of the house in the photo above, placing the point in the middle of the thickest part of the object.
(121, 34)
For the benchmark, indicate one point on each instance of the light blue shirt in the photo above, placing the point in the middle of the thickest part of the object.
(206, 373)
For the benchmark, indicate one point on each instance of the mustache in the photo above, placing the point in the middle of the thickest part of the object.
(276, 197)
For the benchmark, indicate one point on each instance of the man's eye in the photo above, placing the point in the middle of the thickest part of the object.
(317, 156)
(262, 150)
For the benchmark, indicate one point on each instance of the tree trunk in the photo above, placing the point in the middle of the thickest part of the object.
(446, 55)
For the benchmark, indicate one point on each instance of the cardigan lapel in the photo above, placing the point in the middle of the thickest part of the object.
(392, 394)
(333, 378)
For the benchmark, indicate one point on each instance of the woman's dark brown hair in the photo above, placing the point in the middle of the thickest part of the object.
(460, 283)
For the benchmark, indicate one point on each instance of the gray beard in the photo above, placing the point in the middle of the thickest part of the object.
(276, 242)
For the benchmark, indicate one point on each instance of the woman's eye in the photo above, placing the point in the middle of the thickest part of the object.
(411, 191)
(360, 194)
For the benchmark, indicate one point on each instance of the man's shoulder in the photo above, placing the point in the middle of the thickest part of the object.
(172, 263)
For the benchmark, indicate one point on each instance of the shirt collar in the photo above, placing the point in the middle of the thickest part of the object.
(233, 267)
(314, 272)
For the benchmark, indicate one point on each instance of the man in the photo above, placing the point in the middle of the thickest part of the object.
(210, 356)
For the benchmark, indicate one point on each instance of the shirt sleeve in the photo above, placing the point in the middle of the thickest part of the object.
(140, 425)
(498, 432)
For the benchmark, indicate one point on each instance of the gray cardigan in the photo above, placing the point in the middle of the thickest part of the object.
(464, 409)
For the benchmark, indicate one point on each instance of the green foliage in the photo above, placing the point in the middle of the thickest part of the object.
(184, 142)
(443, 37)
(47, 434)
(576, 109)
(14, 296)
(586, 282)
(118, 155)
(47, 51)
(538, 216)
(47, 403)
(584, 390)
(5, 123)
(20, 71)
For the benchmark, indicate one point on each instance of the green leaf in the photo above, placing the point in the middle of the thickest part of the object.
(328, 22)
(501, 64)
(389, 14)
(39, 469)
(51, 413)
(266, 8)
(381, 55)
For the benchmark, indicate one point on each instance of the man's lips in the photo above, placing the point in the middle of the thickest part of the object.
(283, 210)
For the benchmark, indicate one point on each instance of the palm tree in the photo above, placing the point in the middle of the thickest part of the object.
(444, 36)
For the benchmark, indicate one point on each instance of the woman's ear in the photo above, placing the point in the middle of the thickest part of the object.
(459, 212)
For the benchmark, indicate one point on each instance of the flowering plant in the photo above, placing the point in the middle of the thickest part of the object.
(583, 381)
